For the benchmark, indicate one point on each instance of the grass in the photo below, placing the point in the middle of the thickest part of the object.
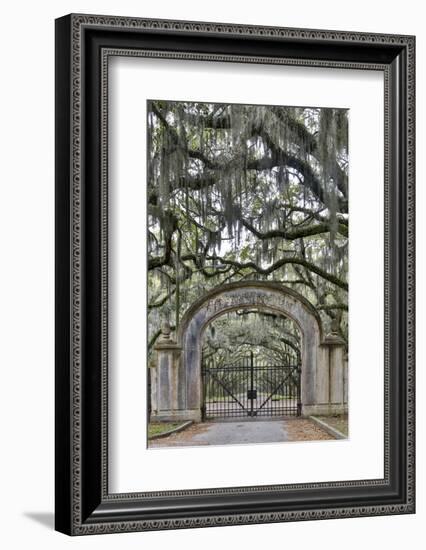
(157, 428)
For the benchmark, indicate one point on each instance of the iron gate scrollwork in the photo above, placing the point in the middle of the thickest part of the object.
(245, 389)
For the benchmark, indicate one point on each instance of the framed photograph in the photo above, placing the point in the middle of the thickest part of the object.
(234, 274)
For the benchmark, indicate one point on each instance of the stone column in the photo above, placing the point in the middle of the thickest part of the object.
(152, 372)
(164, 377)
(316, 400)
(336, 347)
(345, 382)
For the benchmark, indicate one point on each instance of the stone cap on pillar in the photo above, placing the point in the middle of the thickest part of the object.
(165, 341)
(333, 339)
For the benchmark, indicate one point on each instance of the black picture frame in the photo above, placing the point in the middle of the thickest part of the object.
(83, 504)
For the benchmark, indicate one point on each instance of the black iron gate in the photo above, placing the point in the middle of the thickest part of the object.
(244, 389)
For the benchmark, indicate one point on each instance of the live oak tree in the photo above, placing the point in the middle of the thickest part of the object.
(246, 192)
(272, 338)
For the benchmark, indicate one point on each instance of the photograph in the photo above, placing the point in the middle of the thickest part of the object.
(247, 259)
(211, 366)
(209, 277)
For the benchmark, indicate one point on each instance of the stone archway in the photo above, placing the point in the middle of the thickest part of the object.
(176, 386)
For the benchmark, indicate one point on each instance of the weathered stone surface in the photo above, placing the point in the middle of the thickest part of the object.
(345, 379)
(176, 415)
(324, 409)
(178, 383)
(165, 377)
(336, 375)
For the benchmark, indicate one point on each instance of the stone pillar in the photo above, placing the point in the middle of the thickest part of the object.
(331, 378)
(323, 376)
(319, 382)
(152, 371)
(345, 382)
(336, 347)
(164, 377)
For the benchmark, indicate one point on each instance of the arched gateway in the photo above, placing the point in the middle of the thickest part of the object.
(176, 384)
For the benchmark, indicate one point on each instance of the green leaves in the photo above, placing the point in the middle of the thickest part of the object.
(254, 192)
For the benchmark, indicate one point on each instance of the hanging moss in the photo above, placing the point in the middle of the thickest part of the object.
(212, 167)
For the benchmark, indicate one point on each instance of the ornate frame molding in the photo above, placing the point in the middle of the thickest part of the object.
(85, 507)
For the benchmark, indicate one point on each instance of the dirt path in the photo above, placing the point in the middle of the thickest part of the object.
(244, 432)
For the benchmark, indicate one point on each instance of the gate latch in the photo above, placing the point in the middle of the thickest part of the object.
(251, 394)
